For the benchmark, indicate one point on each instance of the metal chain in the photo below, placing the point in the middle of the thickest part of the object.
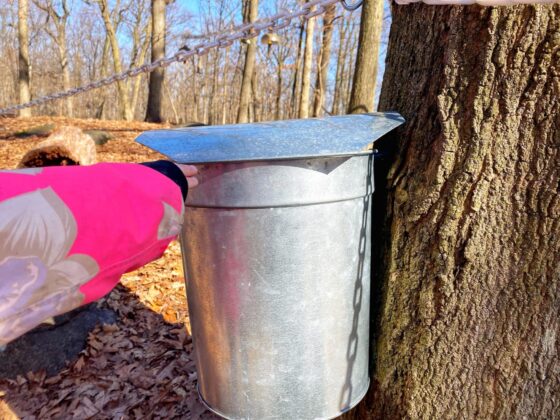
(244, 31)
(351, 7)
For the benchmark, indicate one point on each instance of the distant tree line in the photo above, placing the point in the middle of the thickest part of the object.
(306, 69)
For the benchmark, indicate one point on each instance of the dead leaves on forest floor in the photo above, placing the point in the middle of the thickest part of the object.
(140, 367)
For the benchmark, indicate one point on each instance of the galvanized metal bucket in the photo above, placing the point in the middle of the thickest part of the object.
(277, 257)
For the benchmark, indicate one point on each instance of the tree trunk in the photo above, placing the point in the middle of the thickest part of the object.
(249, 67)
(469, 242)
(66, 82)
(278, 107)
(349, 66)
(101, 111)
(140, 50)
(340, 67)
(296, 80)
(125, 111)
(321, 81)
(154, 110)
(306, 73)
(24, 65)
(365, 73)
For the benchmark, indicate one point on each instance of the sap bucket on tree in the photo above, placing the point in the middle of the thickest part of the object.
(276, 248)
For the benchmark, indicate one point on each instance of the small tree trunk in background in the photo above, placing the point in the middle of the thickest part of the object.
(226, 87)
(154, 110)
(469, 235)
(139, 56)
(365, 72)
(340, 61)
(256, 105)
(24, 66)
(101, 108)
(349, 66)
(278, 113)
(250, 15)
(306, 73)
(296, 80)
(66, 82)
(125, 111)
(322, 73)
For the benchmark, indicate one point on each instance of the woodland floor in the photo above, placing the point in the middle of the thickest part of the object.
(140, 367)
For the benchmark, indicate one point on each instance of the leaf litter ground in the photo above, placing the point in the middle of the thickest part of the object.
(141, 366)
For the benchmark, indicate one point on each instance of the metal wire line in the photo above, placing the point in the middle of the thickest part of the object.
(244, 31)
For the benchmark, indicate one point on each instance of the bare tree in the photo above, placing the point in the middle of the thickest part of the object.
(154, 111)
(24, 69)
(125, 110)
(306, 73)
(296, 80)
(363, 87)
(59, 17)
(141, 38)
(324, 59)
(340, 64)
(250, 13)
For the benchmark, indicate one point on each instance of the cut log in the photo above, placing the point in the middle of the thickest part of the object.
(66, 146)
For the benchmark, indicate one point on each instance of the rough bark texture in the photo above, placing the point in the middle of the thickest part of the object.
(154, 111)
(468, 268)
(23, 63)
(249, 67)
(363, 87)
(306, 72)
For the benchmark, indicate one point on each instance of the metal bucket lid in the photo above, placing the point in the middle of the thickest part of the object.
(346, 135)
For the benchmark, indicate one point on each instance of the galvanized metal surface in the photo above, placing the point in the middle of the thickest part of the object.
(278, 264)
(347, 135)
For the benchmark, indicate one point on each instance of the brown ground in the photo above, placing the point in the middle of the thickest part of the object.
(141, 367)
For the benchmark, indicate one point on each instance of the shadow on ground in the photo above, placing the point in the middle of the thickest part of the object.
(136, 366)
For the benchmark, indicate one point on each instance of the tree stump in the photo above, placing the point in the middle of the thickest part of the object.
(66, 146)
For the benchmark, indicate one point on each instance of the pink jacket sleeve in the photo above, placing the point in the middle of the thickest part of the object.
(67, 234)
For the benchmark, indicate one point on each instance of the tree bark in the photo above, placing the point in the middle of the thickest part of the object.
(469, 234)
(322, 73)
(365, 73)
(306, 73)
(249, 67)
(24, 69)
(154, 110)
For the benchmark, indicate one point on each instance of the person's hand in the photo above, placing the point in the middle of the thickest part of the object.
(190, 172)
